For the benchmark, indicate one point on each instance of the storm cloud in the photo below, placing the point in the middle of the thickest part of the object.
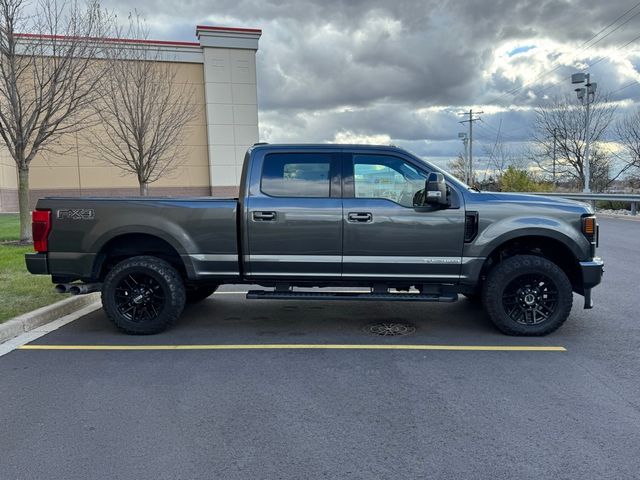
(401, 71)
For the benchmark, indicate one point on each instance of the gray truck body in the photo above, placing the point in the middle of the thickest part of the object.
(337, 239)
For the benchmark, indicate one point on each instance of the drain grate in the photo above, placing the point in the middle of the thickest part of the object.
(390, 329)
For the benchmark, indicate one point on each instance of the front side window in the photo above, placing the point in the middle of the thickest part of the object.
(388, 177)
(297, 175)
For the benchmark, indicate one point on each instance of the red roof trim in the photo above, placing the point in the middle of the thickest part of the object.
(229, 29)
(113, 40)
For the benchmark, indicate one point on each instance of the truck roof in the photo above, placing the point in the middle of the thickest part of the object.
(325, 146)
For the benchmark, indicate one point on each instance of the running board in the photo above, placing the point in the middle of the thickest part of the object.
(398, 297)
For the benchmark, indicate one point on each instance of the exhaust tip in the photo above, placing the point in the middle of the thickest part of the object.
(60, 288)
(74, 290)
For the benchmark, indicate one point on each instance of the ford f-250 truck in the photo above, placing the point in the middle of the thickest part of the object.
(325, 216)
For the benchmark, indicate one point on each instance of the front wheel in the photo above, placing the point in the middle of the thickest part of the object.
(527, 295)
(143, 295)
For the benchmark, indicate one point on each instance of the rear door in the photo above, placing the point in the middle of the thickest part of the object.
(386, 236)
(293, 215)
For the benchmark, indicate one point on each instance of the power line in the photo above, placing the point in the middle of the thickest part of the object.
(493, 130)
(553, 84)
(600, 59)
(583, 46)
(626, 86)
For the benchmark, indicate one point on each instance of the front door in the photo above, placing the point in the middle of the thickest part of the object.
(294, 216)
(386, 236)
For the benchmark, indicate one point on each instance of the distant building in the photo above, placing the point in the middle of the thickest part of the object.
(222, 68)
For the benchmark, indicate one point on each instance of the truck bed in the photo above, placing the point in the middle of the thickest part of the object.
(202, 231)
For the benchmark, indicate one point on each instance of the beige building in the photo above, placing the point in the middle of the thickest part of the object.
(222, 68)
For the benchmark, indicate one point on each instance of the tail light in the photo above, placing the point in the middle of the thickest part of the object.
(40, 227)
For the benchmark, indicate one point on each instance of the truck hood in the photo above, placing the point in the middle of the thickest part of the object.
(542, 200)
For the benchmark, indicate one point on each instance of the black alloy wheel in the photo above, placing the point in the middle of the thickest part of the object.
(139, 297)
(143, 295)
(527, 295)
(530, 299)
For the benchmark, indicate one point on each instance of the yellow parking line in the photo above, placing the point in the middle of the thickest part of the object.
(482, 348)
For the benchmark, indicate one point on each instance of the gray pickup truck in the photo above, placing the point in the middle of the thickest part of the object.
(325, 216)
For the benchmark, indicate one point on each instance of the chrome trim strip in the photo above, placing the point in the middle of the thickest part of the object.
(403, 259)
(214, 257)
(408, 276)
(369, 259)
(296, 258)
(472, 259)
(288, 274)
(219, 274)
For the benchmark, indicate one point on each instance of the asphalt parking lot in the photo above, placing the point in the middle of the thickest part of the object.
(301, 413)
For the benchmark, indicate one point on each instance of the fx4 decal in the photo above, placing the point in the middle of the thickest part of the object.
(76, 214)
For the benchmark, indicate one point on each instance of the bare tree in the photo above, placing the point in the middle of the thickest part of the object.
(144, 111)
(500, 157)
(47, 79)
(458, 168)
(560, 130)
(627, 131)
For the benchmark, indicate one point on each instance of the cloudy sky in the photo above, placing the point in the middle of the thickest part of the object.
(400, 71)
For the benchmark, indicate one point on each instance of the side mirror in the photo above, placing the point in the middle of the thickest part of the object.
(436, 189)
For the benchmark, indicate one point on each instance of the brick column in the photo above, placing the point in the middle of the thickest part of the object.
(231, 101)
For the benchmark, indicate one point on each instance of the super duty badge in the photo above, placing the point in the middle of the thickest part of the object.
(76, 214)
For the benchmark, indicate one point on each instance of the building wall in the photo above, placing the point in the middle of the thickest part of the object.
(77, 171)
(8, 182)
(232, 113)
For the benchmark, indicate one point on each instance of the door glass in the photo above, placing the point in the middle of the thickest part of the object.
(384, 176)
(296, 174)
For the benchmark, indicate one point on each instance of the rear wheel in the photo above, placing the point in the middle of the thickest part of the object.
(199, 293)
(143, 295)
(527, 295)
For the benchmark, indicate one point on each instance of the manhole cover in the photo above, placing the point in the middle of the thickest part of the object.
(390, 329)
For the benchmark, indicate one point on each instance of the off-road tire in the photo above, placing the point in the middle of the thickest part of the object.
(164, 275)
(197, 294)
(501, 276)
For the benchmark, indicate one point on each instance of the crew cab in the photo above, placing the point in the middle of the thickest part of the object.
(325, 215)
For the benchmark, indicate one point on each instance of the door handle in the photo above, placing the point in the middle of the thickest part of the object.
(360, 217)
(264, 216)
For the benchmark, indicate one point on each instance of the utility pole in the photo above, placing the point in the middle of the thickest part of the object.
(470, 121)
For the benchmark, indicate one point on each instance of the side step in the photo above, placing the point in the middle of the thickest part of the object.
(398, 297)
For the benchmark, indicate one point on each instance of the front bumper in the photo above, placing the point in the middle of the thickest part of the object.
(37, 263)
(591, 276)
(591, 272)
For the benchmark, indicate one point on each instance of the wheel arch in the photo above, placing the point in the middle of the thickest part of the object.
(131, 244)
(550, 247)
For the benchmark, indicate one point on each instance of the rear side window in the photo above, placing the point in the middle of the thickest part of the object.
(296, 175)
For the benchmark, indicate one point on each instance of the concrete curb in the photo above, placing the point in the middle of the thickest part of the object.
(30, 320)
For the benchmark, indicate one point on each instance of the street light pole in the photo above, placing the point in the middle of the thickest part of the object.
(465, 155)
(465, 140)
(587, 166)
(586, 94)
